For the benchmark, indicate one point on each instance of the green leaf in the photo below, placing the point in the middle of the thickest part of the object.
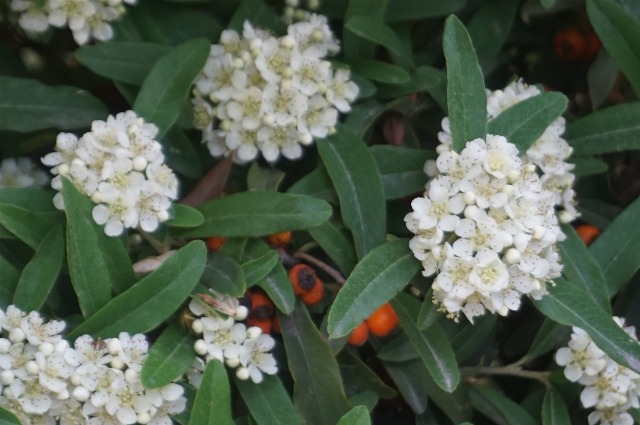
(410, 10)
(361, 378)
(554, 409)
(318, 392)
(616, 248)
(213, 399)
(568, 304)
(359, 415)
(472, 336)
(401, 169)
(336, 245)
(8, 418)
(30, 198)
(258, 13)
(589, 166)
(373, 29)
(620, 35)
(374, 281)
(166, 87)
(356, 179)
(258, 214)
(27, 105)
(40, 274)
(432, 344)
(549, 336)
(316, 184)
(169, 357)
(268, 402)
(579, 266)
(523, 123)
(355, 46)
(398, 350)
(128, 62)
(601, 78)
(185, 216)
(614, 129)
(180, 154)
(425, 78)
(177, 25)
(379, 71)
(410, 378)
(223, 274)
(466, 97)
(152, 300)
(489, 28)
(98, 264)
(10, 277)
(498, 407)
(265, 179)
(27, 226)
(259, 268)
(362, 117)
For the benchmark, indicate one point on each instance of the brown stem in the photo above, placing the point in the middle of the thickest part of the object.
(321, 265)
(542, 377)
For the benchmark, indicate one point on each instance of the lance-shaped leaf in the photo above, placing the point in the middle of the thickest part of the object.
(259, 214)
(359, 415)
(355, 177)
(523, 123)
(166, 87)
(213, 399)
(259, 268)
(30, 198)
(378, 71)
(336, 245)
(554, 409)
(466, 97)
(268, 402)
(410, 10)
(401, 169)
(568, 304)
(223, 274)
(432, 344)
(27, 105)
(318, 392)
(40, 274)
(98, 264)
(374, 281)
(28, 226)
(8, 418)
(185, 216)
(152, 300)
(169, 357)
(498, 407)
(353, 45)
(620, 35)
(373, 29)
(550, 335)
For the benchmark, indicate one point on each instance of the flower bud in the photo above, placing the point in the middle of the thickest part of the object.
(232, 362)
(242, 373)
(46, 348)
(197, 326)
(253, 332)
(200, 347)
(241, 313)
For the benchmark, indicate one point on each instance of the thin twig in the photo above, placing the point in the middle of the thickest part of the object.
(160, 247)
(321, 265)
(510, 370)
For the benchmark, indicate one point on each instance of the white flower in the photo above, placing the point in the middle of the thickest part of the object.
(21, 172)
(256, 358)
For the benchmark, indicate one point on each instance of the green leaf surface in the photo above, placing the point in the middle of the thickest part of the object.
(489, 28)
(410, 10)
(601, 78)
(425, 78)
(40, 274)
(568, 304)
(360, 377)
(620, 35)
(401, 169)
(498, 407)
(259, 268)
(549, 336)
(398, 350)
(355, 177)
(223, 274)
(30, 198)
(410, 378)
(98, 264)
(258, 13)
(268, 402)
(554, 409)
(617, 247)
(127, 62)
(166, 87)
(10, 277)
(318, 392)
(382, 72)
(473, 335)
(589, 166)
(336, 245)
(8, 418)
(180, 154)
(359, 415)
(613, 129)
(523, 123)
(150, 301)
(248, 214)
(432, 344)
(316, 184)
(362, 117)
(466, 97)
(213, 399)
(374, 281)
(352, 44)
(265, 179)
(27, 226)
(372, 28)
(28, 105)
(185, 216)
(170, 355)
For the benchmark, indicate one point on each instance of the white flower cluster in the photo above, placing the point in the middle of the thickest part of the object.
(548, 153)
(87, 19)
(262, 93)
(120, 166)
(610, 388)
(487, 226)
(21, 172)
(299, 10)
(228, 341)
(97, 382)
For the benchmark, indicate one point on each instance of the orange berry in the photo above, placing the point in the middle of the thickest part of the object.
(382, 321)
(281, 239)
(315, 295)
(275, 322)
(359, 335)
(588, 233)
(569, 44)
(261, 305)
(303, 278)
(214, 243)
(264, 324)
(592, 46)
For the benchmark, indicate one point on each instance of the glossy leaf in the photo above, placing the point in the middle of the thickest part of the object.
(185, 216)
(317, 184)
(569, 304)
(467, 101)
(223, 274)
(401, 169)
(432, 344)
(27, 226)
(425, 78)
(167, 85)
(410, 10)
(601, 78)
(589, 166)
(8, 418)
(356, 178)
(151, 300)
(180, 154)
(361, 378)
(489, 28)
(30, 198)
(28, 105)
(471, 336)
(373, 29)
(523, 123)
(549, 336)
(259, 268)
(265, 179)
(257, 214)
(399, 349)
(268, 402)
(411, 380)
(359, 415)
(554, 409)
(170, 355)
(40, 274)
(354, 45)
(362, 116)
(317, 381)
(498, 407)
(374, 281)
(213, 399)
(620, 35)
(336, 245)
(379, 71)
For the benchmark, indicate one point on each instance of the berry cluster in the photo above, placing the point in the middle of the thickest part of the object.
(380, 323)
(21, 172)
(306, 284)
